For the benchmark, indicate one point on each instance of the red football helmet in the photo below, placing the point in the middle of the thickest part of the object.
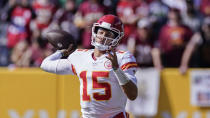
(111, 23)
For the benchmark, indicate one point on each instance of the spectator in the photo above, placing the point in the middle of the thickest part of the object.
(142, 8)
(38, 51)
(64, 17)
(25, 55)
(178, 4)
(19, 17)
(205, 7)
(44, 10)
(172, 40)
(158, 9)
(158, 16)
(126, 12)
(140, 43)
(88, 13)
(191, 17)
(199, 42)
(20, 56)
(111, 6)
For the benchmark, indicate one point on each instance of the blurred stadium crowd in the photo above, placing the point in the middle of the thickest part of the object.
(160, 33)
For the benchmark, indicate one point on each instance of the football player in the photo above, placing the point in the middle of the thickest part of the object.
(106, 75)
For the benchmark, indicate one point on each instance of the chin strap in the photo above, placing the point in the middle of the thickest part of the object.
(121, 77)
(100, 47)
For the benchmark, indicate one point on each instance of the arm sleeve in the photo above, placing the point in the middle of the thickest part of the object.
(54, 64)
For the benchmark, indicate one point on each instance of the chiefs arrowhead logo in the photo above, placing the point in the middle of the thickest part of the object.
(108, 64)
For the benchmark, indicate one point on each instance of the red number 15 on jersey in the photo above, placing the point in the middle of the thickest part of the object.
(96, 85)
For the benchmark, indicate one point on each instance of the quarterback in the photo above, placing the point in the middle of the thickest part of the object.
(106, 76)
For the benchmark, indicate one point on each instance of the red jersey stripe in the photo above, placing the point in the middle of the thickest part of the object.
(73, 69)
(129, 65)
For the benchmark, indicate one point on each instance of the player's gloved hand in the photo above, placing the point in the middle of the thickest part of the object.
(113, 59)
(68, 51)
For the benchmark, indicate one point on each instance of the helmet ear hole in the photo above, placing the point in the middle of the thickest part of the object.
(96, 29)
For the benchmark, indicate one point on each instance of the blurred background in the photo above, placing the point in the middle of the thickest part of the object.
(170, 36)
(157, 32)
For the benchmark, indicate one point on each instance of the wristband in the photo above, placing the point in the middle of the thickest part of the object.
(121, 77)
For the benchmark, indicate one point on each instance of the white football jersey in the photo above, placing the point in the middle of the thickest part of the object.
(101, 96)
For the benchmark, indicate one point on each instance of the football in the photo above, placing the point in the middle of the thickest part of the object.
(60, 39)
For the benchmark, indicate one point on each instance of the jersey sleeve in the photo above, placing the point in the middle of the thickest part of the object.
(128, 62)
(54, 64)
(128, 65)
